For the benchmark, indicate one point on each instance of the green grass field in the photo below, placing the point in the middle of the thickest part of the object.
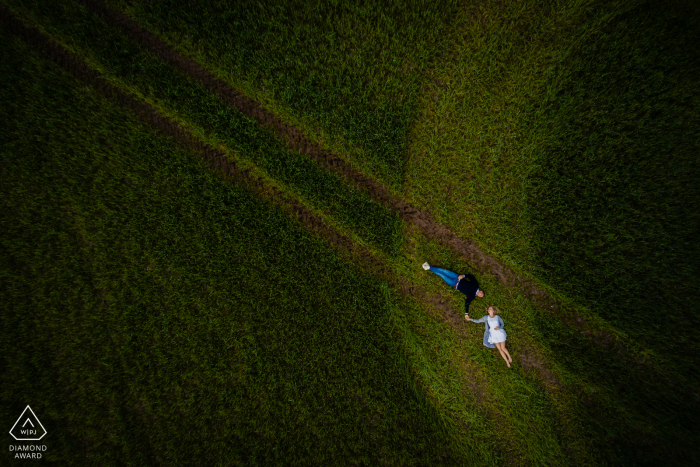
(163, 324)
(155, 312)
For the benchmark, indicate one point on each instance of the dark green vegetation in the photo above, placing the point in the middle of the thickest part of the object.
(614, 198)
(175, 317)
(560, 136)
(578, 163)
(353, 71)
(148, 77)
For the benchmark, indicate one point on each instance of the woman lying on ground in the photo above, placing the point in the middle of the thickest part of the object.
(494, 336)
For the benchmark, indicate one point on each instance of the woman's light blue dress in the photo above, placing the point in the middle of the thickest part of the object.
(496, 335)
(487, 334)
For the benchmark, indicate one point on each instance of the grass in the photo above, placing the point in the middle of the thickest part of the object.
(349, 72)
(139, 72)
(561, 136)
(151, 276)
(603, 410)
(154, 314)
(528, 137)
(572, 156)
(563, 140)
(626, 173)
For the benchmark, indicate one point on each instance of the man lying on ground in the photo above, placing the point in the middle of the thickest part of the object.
(466, 284)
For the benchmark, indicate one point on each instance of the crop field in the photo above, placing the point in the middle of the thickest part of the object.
(213, 216)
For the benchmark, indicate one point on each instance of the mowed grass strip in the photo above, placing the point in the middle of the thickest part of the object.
(136, 70)
(177, 319)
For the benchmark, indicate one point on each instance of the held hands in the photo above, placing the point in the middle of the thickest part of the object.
(467, 317)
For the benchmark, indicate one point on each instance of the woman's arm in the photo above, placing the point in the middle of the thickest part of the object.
(480, 320)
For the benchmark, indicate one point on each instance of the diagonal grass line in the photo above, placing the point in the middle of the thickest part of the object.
(595, 330)
(534, 362)
(150, 78)
(229, 169)
(226, 162)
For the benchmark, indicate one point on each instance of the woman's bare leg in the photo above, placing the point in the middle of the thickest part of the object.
(500, 346)
(506, 351)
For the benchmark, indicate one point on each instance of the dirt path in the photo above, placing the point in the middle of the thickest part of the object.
(424, 220)
(466, 248)
(226, 167)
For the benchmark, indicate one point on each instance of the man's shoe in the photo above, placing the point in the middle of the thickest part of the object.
(426, 266)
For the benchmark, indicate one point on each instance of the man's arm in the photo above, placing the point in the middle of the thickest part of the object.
(472, 279)
(466, 305)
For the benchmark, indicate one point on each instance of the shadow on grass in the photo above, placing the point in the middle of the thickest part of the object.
(614, 194)
(614, 198)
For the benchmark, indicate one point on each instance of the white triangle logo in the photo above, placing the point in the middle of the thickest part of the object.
(28, 427)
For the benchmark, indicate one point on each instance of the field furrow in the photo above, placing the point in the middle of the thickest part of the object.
(208, 374)
(583, 390)
(597, 331)
(242, 172)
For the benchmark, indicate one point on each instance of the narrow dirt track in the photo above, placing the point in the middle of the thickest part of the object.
(424, 220)
(530, 359)
(229, 170)
(216, 158)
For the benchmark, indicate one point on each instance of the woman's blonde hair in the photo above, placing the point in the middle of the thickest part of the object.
(495, 309)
